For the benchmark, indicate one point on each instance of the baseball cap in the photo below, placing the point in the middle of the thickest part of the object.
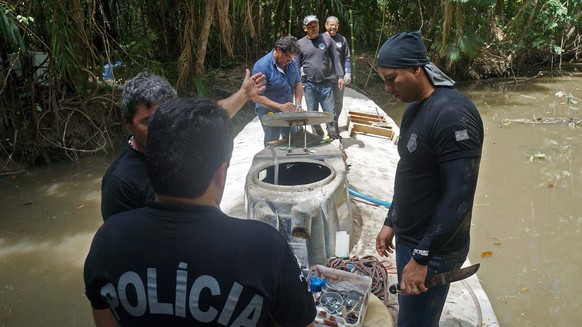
(309, 19)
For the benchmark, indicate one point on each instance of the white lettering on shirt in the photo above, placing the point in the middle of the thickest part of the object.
(146, 302)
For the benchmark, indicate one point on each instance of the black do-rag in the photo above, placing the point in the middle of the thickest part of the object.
(406, 49)
(402, 50)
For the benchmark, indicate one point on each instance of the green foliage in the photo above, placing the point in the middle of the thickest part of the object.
(81, 36)
(201, 86)
(9, 30)
(549, 21)
(137, 56)
(65, 51)
(148, 34)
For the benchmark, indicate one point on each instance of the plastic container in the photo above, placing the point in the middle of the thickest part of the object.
(357, 283)
(342, 244)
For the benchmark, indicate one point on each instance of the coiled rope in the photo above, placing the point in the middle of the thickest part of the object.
(369, 266)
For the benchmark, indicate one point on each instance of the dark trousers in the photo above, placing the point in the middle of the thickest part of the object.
(425, 309)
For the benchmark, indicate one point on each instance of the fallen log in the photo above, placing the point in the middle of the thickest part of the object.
(543, 120)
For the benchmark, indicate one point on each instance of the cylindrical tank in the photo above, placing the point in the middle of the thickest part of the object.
(308, 200)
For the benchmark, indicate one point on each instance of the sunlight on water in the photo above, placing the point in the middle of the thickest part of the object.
(69, 251)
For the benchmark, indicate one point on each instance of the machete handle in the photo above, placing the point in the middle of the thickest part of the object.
(394, 288)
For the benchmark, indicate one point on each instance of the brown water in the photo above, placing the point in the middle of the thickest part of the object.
(48, 218)
(529, 203)
(528, 214)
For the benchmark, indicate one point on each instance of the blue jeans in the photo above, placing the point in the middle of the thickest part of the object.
(320, 94)
(425, 309)
(272, 133)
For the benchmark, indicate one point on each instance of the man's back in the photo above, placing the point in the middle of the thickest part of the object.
(192, 265)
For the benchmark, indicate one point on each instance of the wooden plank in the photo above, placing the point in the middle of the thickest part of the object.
(371, 123)
(363, 120)
(361, 114)
(367, 119)
(363, 128)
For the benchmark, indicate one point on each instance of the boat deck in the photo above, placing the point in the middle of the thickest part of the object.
(371, 161)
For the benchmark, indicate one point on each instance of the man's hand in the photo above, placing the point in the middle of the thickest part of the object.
(413, 277)
(384, 244)
(289, 107)
(341, 83)
(253, 85)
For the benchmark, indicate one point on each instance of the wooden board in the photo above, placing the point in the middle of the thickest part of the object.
(369, 121)
(364, 128)
(361, 114)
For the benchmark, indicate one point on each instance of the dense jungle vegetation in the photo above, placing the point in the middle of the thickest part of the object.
(55, 103)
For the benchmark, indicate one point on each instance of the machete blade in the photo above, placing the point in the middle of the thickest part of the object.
(451, 276)
(443, 278)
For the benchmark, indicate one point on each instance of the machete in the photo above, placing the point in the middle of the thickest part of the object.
(443, 278)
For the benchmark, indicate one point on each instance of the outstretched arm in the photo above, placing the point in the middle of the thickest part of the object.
(250, 88)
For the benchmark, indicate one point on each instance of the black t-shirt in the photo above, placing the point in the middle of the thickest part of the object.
(180, 265)
(126, 184)
(343, 52)
(319, 59)
(446, 126)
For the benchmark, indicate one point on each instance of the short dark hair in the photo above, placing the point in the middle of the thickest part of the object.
(144, 88)
(288, 44)
(188, 140)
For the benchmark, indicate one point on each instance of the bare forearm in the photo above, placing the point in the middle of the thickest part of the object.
(267, 103)
(233, 103)
(298, 94)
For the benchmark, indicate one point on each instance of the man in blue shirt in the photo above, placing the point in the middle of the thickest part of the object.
(283, 91)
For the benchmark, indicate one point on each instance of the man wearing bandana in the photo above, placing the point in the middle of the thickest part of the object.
(441, 138)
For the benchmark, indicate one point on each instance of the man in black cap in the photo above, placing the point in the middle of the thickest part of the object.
(319, 61)
(441, 138)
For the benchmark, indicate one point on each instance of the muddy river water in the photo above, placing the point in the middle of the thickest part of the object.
(526, 232)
